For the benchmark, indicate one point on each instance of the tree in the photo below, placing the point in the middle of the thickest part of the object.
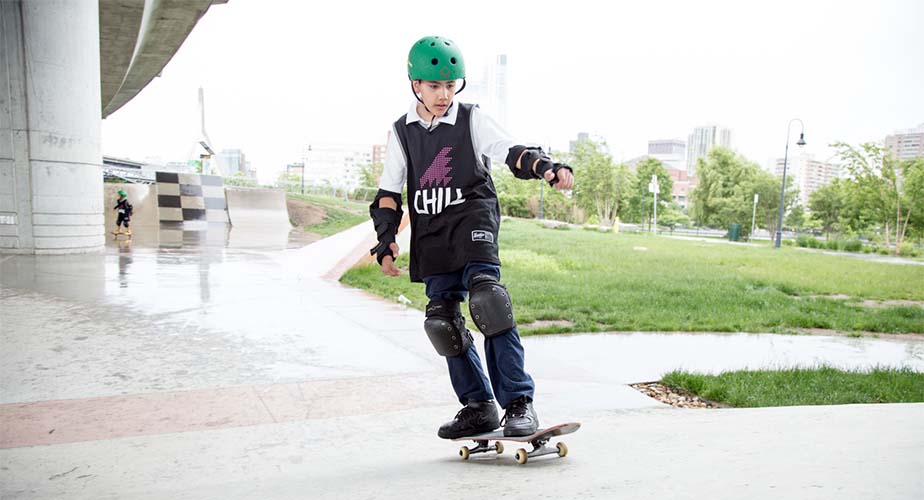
(795, 219)
(641, 202)
(602, 186)
(826, 205)
(883, 191)
(725, 194)
(370, 174)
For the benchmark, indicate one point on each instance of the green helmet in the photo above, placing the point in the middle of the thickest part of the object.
(435, 58)
(122, 193)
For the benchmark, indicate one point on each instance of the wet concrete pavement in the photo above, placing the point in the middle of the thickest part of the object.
(226, 366)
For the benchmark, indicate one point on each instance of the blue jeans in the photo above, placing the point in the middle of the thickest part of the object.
(503, 352)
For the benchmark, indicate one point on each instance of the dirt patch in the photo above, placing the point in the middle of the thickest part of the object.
(548, 322)
(879, 304)
(836, 296)
(302, 213)
(674, 397)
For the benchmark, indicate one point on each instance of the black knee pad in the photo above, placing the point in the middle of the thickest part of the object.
(445, 327)
(489, 305)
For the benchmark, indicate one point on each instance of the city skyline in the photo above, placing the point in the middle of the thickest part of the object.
(281, 86)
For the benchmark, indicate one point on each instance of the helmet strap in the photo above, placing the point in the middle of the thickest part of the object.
(432, 114)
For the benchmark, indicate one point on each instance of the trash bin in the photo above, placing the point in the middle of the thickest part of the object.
(734, 232)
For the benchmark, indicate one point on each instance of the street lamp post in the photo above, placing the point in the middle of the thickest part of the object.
(801, 142)
(754, 213)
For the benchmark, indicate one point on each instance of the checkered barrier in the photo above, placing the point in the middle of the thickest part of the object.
(191, 197)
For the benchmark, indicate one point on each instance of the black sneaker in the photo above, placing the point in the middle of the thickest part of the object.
(477, 417)
(520, 418)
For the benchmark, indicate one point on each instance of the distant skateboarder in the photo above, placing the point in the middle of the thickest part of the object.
(124, 209)
(441, 150)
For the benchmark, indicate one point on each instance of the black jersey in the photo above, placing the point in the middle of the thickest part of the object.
(452, 202)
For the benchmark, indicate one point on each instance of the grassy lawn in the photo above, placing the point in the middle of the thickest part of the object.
(340, 214)
(607, 282)
(803, 386)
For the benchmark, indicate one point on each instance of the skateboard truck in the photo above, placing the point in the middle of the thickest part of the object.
(539, 440)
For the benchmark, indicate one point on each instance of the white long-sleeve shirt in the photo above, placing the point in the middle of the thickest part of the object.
(489, 138)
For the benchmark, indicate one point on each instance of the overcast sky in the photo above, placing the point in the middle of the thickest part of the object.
(281, 74)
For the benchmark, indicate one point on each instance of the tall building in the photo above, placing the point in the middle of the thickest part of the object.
(807, 174)
(702, 140)
(572, 145)
(906, 144)
(500, 90)
(490, 92)
(683, 185)
(335, 164)
(671, 152)
(230, 162)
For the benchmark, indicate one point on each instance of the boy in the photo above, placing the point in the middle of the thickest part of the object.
(441, 149)
(125, 213)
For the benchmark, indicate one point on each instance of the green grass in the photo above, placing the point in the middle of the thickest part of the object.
(803, 386)
(607, 282)
(339, 214)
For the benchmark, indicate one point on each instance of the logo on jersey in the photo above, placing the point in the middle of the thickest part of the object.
(434, 194)
(482, 235)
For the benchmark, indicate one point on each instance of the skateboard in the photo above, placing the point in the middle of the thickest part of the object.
(537, 439)
(116, 235)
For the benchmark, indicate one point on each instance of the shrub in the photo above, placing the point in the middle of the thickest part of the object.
(803, 240)
(852, 246)
(906, 249)
(513, 205)
(832, 245)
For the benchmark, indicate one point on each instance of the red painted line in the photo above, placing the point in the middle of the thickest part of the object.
(92, 419)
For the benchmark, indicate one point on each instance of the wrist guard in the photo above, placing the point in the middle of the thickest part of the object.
(530, 155)
(386, 222)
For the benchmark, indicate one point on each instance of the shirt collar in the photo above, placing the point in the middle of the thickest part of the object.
(448, 119)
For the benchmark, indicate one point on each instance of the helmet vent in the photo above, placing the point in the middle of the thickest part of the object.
(452, 60)
(434, 61)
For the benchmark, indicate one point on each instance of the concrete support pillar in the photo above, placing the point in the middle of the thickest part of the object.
(51, 192)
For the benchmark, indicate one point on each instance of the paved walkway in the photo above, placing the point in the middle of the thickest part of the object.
(231, 368)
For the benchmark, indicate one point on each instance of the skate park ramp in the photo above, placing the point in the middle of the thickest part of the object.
(257, 207)
(143, 198)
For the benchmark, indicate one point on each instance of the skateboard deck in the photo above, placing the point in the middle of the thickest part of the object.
(537, 439)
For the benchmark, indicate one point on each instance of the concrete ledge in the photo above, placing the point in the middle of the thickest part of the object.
(70, 244)
(67, 219)
(67, 231)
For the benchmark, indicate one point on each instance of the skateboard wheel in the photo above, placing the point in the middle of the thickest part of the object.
(521, 456)
(500, 447)
(464, 453)
(562, 449)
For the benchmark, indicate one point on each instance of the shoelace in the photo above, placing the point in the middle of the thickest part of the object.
(516, 409)
(466, 414)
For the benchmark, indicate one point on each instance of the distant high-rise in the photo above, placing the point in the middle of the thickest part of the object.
(671, 152)
(702, 140)
(500, 89)
(335, 164)
(906, 144)
(582, 136)
(231, 162)
(490, 92)
(807, 174)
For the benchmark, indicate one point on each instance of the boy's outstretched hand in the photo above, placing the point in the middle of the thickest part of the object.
(565, 178)
(388, 263)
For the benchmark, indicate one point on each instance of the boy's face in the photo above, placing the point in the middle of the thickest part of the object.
(437, 96)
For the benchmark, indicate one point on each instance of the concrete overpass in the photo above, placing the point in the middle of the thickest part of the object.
(64, 65)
